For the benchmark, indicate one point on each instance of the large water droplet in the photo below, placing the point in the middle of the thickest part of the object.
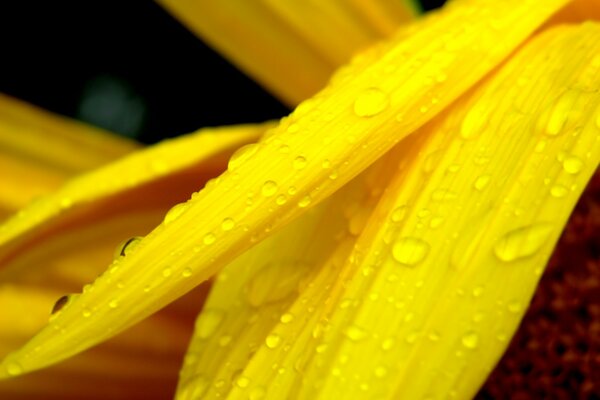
(522, 242)
(60, 304)
(175, 212)
(572, 165)
(227, 224)
(208, 322)
(269, 188)
(304, 201)
(556, 117)
(299, 163)
(14, 368)
(370, 102)
(273, 341)
(127, 246)
(410, 251)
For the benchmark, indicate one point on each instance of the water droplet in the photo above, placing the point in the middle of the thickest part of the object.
(370, 102)
(14, 368)
(572, 165)
(272, 341)
(186, 273)
(281, 200)
(269, 188)
(299, 163)
(286, 318)
(334, 175)
(380, 372)
(556, 117)
(522, 242)
(227, 224)
(326, 164)
(481, 182)
(410, 251)
(241, 155)
(175, 212)
(207, 323)
(242, 382)
(474, 123)
(399, 213)
(167, 272)
(113, 304)
(126, 247)
(559, 191)
(60, 304)
(304, 201)
(355, 333)
(209, 238)
(86, 312)
(470, 340)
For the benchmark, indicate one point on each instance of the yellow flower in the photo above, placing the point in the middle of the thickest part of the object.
(382, 241)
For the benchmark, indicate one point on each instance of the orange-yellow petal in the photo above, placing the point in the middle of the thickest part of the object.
(368, 108)
(39, 150)
(291, 47)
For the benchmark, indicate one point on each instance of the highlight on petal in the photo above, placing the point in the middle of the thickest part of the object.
(440, 276)
(29, 169)
(368, 108)
(291, 47)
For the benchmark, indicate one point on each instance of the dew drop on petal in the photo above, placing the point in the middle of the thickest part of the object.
(299, 163)
(355, 333)
(175, 212)
(186, 273)
(559, 191)
(522, 242)
(370, 102)
(60, 304)
(572, 165)
(113, 304)
(209, 238)
(304, 201)
(242, 382)
(410, 251)
(273, 341)
(286, 318)
(227, 224)
(241, 155)
(470, 340)
(399, 213)
(481, 182)
(269, 188)
(14, 368)
(127, 246)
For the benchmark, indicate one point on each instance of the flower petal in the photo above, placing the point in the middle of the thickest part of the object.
(291, 47)
(336, 134)
(459, 240)
(252, 293)
(29, 169)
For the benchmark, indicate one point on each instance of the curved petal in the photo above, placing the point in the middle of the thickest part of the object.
(29, 169)
(338, 133)
(291, 47)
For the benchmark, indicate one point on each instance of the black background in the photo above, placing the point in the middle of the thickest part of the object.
(50, 51)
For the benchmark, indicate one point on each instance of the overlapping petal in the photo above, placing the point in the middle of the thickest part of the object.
(291, 47)
(368, 108)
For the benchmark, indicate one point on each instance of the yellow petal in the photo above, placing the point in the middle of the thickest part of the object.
(291, 47)
(39, 150)
(252, 294)
(483, 200)
(336, 134)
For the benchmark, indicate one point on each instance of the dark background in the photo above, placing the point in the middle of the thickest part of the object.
(156, 78)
